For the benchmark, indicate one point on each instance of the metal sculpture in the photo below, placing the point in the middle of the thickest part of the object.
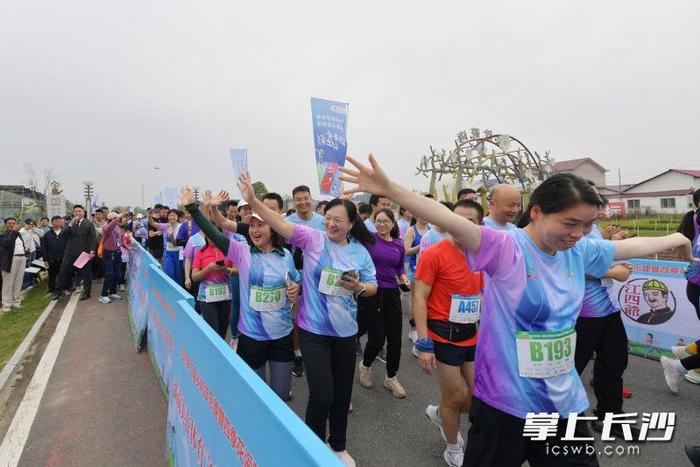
(487, 158)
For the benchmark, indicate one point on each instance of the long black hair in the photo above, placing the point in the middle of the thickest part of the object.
(395, 232)
(359, 229)
(558, 193)
(275, 238)
(687, 226)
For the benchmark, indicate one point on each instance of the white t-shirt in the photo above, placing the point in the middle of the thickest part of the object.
(19, 246)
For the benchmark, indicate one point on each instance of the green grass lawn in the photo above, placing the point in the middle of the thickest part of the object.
(15, 324)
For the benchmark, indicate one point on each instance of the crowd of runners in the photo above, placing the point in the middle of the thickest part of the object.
(505, 309)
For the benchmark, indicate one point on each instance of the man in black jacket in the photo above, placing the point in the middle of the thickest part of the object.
(12, 262)
(53, 246)
(80, 237)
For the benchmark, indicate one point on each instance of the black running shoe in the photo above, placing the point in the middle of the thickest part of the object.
(298, 368)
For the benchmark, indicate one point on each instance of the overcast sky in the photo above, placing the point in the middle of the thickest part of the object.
(106, 90)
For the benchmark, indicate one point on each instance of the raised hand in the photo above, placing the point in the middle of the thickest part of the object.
(369, 179)
(206, 199)
(217, 200)
(246, 188)
(186, 195)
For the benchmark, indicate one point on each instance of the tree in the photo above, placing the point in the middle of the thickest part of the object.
(259, 189)
(40, 185)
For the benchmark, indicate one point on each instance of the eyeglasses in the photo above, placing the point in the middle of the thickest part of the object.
(386, 222)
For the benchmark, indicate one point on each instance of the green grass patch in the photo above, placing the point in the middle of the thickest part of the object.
(15, 324)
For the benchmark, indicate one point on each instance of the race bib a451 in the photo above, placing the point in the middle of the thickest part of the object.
(465, 309)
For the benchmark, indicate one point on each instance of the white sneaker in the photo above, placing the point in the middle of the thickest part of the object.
(671, 374)
(115, 297)
(454, 458)
(413, 335)
(433, 413)
(680, 351)
(6, 309)
(366, 376)
(345, 457)
(104, 300)
(393, 385)
(693, 376)
(122, 288)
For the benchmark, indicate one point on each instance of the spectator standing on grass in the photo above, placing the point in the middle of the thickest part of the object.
(53, 244)
(12, 263)
(31, 236)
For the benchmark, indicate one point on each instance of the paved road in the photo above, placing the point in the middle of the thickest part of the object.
(103, 406)
(385, 431)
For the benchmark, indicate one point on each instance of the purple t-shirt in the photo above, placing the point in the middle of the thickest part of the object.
(388, 259)
(530, 291)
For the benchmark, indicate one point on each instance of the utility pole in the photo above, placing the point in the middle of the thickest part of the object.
(88, 197)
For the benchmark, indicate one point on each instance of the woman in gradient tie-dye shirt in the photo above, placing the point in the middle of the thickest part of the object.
(525, 355)
(337, 269)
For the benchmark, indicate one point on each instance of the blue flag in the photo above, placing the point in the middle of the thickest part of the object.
(239, 161)
(330, 121)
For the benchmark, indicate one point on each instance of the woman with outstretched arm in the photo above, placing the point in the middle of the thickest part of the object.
(525, 356)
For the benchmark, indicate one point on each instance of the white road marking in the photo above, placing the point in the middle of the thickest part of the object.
(16, 437)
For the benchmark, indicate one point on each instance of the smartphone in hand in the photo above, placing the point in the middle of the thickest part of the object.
(346, 275)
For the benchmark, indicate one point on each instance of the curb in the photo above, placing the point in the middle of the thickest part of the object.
(25, 345)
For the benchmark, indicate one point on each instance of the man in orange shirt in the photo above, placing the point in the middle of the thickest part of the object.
(447, 307)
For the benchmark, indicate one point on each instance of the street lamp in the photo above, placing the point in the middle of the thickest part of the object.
(88, 196)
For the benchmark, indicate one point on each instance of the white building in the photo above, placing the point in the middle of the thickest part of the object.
(584, 167)
(670, 192)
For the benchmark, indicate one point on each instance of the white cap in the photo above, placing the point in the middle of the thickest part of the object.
(242, 203)
(257, 216)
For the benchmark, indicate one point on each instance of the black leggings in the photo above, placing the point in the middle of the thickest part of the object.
(382, 316)
(216, 314)
(692, 362)
(607, 337)
(693, 293)
(330, 369)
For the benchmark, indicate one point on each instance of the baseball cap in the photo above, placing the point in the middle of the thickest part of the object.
(242, 203)
(257, 216)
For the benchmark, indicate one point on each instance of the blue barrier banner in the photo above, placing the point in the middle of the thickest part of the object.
(164, 294)
(221, 413)
(139, 262)
(655, 309)
(330, 120)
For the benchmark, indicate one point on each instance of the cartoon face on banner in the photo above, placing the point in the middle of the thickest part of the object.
(647, 301)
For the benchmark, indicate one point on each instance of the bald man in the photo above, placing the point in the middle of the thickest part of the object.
(504, 205)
